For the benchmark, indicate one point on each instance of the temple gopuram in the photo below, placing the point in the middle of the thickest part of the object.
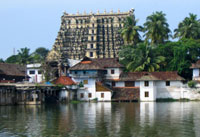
(95, 35)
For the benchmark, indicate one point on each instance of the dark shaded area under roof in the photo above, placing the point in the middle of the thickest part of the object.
(126, 94)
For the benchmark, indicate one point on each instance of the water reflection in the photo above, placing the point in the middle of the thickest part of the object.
(102, 119)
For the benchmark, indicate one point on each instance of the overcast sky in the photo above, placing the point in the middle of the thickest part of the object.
(35, 23)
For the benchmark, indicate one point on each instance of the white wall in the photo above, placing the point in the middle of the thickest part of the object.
(119, 84)
(151, 89)
(107, 96)
(35, 78)
(115, 75)
(88, 88)
(172, 91)
(196, 74)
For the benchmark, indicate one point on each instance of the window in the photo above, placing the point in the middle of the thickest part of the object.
(113, 83)
(167, 83)
(89, 95)
(85, 81)
(129, 83)
(92, 31)
(146, 94)
(92, 38)
(93, 25)
(112, 71)
(32, 72)
(75, 72)
(91, 54)
(84, 72)
(102, 95)
(146, 83)
(82, 95)
(91, 46)
(105, 72)
(39, 72)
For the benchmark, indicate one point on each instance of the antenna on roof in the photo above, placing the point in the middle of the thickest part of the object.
(13, 51)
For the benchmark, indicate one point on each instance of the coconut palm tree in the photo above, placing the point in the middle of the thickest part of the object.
(24, 56)
(145, 59)
(156, 28)
(130, 32)
(188, 28)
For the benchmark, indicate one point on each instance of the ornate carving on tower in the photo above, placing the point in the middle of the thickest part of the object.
(92, 35)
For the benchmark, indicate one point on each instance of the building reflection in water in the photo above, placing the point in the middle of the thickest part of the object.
(102, 119)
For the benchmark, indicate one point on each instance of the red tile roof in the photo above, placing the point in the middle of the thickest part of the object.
(136, 76)
(67, 81)
(97, 64)
(196, 65)
(100, 87)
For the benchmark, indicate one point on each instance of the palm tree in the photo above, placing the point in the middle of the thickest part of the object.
(145, 59)
(130, 32)
(24, 56)
(188, 28)
(156, 28)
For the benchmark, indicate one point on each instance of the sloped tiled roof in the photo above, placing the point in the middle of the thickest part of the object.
(100, 87)
(96, 64)
(196, 65)
(126, 93)
(67, 81)
(137, 76)
(12, 69)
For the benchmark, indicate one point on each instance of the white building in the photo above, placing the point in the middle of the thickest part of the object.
(35, 73)
(90, 73)
(107, 75)
(195, 69)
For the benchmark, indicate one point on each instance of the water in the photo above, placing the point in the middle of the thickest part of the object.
(176, 119)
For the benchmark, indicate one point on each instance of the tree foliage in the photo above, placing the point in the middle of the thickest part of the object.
(188, 28)
(156, 28)
(141, 58)
(1, 60)
(130, 32)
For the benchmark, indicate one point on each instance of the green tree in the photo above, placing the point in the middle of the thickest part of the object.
(39, 55)
(180, 55)
(188, 28)
(24, 56)
(13, 59)
(1, 60)
(156, 28)
(141, 58)
(130, 31)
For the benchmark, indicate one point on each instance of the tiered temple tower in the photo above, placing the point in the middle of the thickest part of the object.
(93, 35)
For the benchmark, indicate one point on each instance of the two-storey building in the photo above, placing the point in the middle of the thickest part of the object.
(107, 75)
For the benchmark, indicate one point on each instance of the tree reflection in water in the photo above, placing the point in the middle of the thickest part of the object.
(106, 119)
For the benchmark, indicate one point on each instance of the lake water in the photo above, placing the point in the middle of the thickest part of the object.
(176, 119)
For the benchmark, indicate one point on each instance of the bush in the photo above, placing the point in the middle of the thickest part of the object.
(192, 84)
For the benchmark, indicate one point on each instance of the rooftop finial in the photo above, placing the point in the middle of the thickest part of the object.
(91, 12)
(105, 11)
(97, 11)
(84, 12)
(118, 10)
(111, 11)
(77, 12)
